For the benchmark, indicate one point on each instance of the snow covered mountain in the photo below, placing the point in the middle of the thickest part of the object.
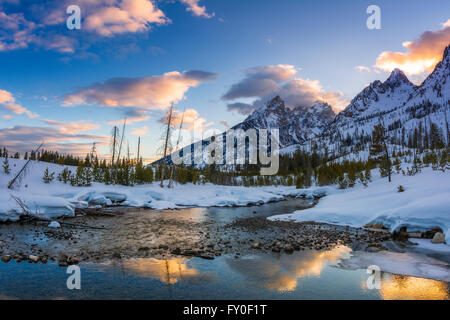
(295, 125)
(400, 105)
(378, 98)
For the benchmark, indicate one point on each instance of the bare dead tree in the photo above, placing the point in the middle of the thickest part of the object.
(138, 150)
(114, 145)
(121, 140)
(166, 144)
(447, 129)
(22, 170)
(172, 168)
(115, 133)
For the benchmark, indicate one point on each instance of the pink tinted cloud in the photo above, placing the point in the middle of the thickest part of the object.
(72, 127)
(26, 138)
(8, 102)
(123, 17)
(106, 18)
(196, 9)
(16, 32)
(154, 92)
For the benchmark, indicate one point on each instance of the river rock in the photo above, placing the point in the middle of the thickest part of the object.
(54, 224)
(288, 248)
(438, 238)
(63, 263)
(6, 258)
(73, 260)
(33, 258)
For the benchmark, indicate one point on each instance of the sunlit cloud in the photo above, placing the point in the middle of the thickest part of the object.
(123, 17)
(266, 82)
(196, 9)
(154, 92)
(8, 102)
(422, 54)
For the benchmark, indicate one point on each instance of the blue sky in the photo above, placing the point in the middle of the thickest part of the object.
(306, 50)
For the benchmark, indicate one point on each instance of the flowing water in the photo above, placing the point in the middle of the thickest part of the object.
(307, 274)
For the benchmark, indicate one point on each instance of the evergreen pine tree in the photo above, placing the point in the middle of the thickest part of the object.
(6, 168)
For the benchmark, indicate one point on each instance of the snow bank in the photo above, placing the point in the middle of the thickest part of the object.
(424, 204)
(39, 205)
(409, 264)
(59, 199)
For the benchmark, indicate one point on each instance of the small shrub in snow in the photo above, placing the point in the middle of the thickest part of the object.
(342, 182)
(48, 177)
(400, 188)
(362, 179)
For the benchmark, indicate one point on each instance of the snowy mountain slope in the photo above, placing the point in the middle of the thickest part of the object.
(376, 100)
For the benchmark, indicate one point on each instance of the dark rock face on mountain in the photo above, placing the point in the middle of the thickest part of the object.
(294, 125)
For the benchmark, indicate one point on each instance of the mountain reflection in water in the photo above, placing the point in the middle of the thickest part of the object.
(168, 271)
(283, 272)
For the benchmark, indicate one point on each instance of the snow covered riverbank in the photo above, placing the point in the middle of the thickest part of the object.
(424, 204)
(59, 199)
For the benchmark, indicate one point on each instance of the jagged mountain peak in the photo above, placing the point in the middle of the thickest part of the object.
(397, 78)
(320, 105)
(275, 101)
